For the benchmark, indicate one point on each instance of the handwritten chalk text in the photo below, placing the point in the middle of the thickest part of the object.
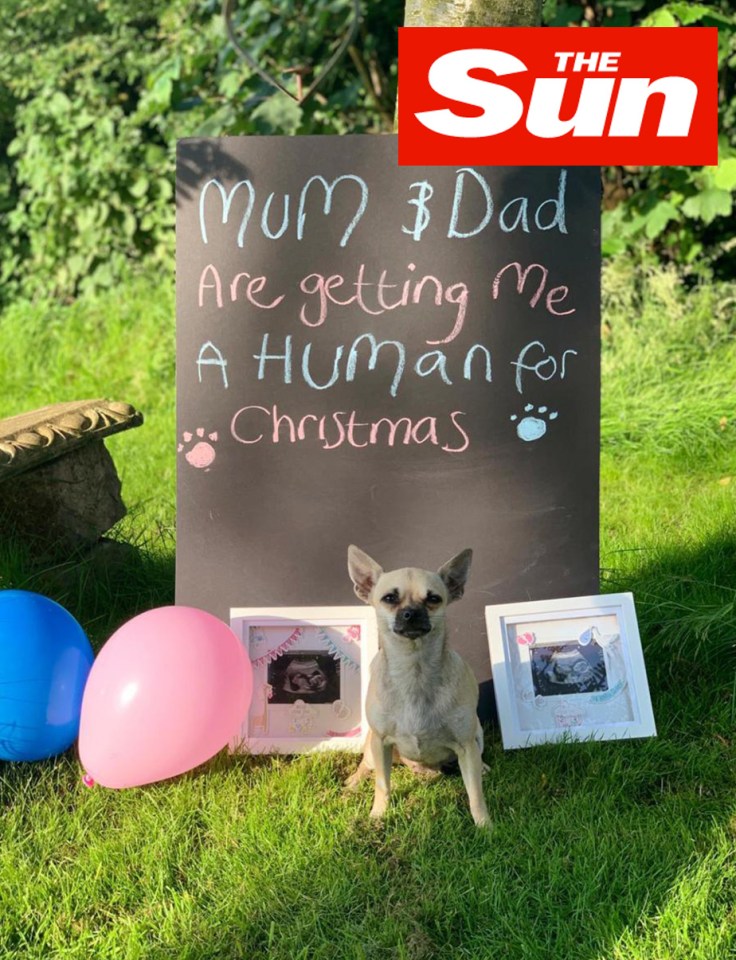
(472, 212)
(210, 280)
(375, 293)
(554, 296)
(255, 424)
(412, 290)
(227, 198)
(535, 359)
(367, 351)
(473, 208)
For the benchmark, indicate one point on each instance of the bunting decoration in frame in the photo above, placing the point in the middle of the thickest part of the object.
(310, 677)
(569, 669)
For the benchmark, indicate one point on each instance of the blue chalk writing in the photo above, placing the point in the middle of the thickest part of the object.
(203, 360)
(558, 204)
(227, 199)
(521, 215)
(439, 363)
(335, 368)
(284, 220)
(375, 347)
(467, 367)
(457, 200)
(515, 213)
(341, 362)
(329, 190)
(421, 222)
(262, 357)
(546, 368)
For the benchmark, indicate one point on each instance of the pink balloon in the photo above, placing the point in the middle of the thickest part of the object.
(168, 690)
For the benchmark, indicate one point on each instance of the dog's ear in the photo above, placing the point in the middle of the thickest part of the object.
(364, 572)
(454, 574)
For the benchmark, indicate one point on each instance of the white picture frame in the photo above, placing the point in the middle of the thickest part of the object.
(310, 677)
(569, 669)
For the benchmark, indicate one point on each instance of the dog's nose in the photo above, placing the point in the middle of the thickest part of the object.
(412, 622)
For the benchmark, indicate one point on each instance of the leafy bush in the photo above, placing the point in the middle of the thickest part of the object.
(680, 214)
(91, 184)
(94, 93)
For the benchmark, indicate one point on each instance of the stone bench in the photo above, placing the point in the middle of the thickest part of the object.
(59, 490)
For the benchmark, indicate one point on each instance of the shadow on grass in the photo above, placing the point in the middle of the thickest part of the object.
(593, 844)
(686, 604)
(103, 587)
(599, 850)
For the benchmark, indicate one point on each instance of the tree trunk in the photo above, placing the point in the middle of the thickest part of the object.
(473, 13)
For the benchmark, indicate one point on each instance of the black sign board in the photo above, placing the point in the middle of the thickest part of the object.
(403, 358)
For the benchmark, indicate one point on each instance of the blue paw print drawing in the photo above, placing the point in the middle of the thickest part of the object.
(532, 427)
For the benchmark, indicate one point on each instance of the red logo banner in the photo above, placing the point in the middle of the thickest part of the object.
(531, 96)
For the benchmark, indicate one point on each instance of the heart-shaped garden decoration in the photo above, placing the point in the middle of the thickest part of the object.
(348, 37)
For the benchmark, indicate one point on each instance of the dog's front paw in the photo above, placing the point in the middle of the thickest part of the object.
(484, 769)
(378, 809)
(484, 823)
(353, 781)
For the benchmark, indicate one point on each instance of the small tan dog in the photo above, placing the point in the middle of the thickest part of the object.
(422, 696)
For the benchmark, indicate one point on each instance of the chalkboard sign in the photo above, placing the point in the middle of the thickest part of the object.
(403, 358)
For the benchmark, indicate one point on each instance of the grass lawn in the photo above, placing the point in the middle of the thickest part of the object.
(607, 851)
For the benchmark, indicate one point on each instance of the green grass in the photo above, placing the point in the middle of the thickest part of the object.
(601, 851)
(119, 346)
(668, 466)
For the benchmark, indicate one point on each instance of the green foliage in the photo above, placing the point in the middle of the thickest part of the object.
(680, 214)
(90, 186)
(94, 94)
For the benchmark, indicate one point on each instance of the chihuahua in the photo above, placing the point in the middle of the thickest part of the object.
(422, 696)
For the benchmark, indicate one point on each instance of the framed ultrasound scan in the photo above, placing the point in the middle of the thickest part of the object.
(310, 677)
(569, 669)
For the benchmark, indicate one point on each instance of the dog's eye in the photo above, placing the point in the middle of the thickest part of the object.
(391, 599)
(434, 598)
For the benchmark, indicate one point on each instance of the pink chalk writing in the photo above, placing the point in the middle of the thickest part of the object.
(255, 424)
(554, 296)
(374, 296)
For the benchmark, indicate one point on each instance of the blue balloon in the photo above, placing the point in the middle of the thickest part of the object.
(45, 659)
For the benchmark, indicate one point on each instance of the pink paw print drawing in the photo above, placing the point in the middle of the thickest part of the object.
(199, 451)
